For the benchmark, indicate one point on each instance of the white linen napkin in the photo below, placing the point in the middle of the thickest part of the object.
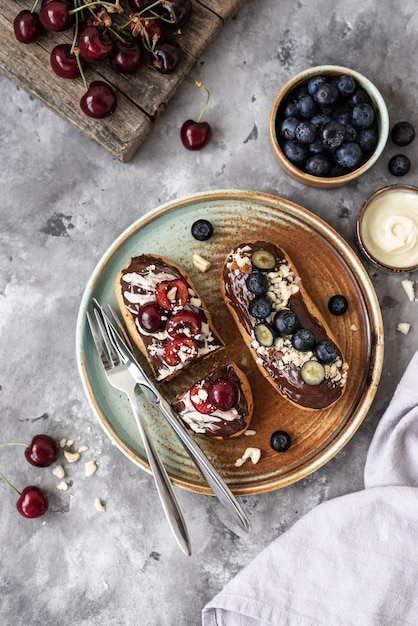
(351, 561)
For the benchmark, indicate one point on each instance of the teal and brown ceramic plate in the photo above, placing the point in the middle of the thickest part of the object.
(327, 266)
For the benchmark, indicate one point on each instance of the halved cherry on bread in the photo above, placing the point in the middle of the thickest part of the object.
(173, 294)
(184, 324)
(199, 397)
(180, 350)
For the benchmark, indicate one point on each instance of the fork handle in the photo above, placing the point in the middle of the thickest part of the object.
(165, 490)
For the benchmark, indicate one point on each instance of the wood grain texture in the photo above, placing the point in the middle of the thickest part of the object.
(142, 97)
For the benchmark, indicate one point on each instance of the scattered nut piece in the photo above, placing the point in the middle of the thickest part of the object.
(62, 486)
(408, 285)
(404, 327)
(71, 457)
(69, 443)
(62, 443)
(82, 449)
(250, 453)
(90, 467)
(353, 327)
(59, 471)
(99, 505)
(202, 264)
(249, 432)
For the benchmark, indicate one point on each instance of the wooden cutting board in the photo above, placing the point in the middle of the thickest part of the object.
(142, 97)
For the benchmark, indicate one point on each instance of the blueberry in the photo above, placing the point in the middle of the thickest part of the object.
(350, 133)
(314, 83)
(303, 340)
(326, 351)
(285, 322)
(306, 106)
(344, 117)
(202, 230)
(367, 139)
(318, 165)
(332, 134)
(260, 307)
(338, 304)
(265, 334)
(316, 147)
(288, 127)
(402, 134)
(399, 165)
(295, 151)
(291, 108)
(306, 132)
(280, 441)
(349, 155)
(362, 115)
(320, 119)
(358, 97)
(346, 85)
(257, 283)
(325, 93)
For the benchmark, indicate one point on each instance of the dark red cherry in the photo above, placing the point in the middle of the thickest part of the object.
(99, 100)
(55, 16)
(152, 317)
(184, 324)
(223, 393)
(180, 350)
(127, 58)
(32, 502)
(94, 45)
(42, 451)
(27, 27)
(172, 294)
(199, 397)
(167, 56)
(64, 62)
(195, 135)
(178, 12)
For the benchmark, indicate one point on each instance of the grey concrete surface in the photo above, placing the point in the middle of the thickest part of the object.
(63, 201)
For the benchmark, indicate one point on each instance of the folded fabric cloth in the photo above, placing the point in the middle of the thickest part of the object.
(352, 561)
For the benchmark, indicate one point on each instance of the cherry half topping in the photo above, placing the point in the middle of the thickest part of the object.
(199, 397)
(43, 451)
(151, 317)
(195, 135)
(172, 294)
(27, 27)
(180, 350)
(223, 393)
(32, 502)
(99, 100)
(184, 324)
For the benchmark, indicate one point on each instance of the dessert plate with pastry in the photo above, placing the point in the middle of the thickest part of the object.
(263, 332)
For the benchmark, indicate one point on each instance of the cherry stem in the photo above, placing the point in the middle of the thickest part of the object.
(14, 443)
(108, 5)
(35, 4)
(202, 112)
(19, 493)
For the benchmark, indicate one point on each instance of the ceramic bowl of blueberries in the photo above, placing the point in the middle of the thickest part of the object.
(328, 126)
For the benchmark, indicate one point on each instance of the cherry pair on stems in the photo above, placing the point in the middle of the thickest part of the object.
(43, 451)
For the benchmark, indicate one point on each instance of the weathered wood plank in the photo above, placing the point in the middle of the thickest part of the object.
(141, 97)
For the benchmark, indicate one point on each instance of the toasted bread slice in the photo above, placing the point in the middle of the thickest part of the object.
(304, 376)
(198, 409)
(164, 314)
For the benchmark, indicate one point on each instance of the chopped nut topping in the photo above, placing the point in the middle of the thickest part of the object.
(250, 453)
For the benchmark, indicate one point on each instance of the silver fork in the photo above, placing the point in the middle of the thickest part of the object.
(119, 377)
